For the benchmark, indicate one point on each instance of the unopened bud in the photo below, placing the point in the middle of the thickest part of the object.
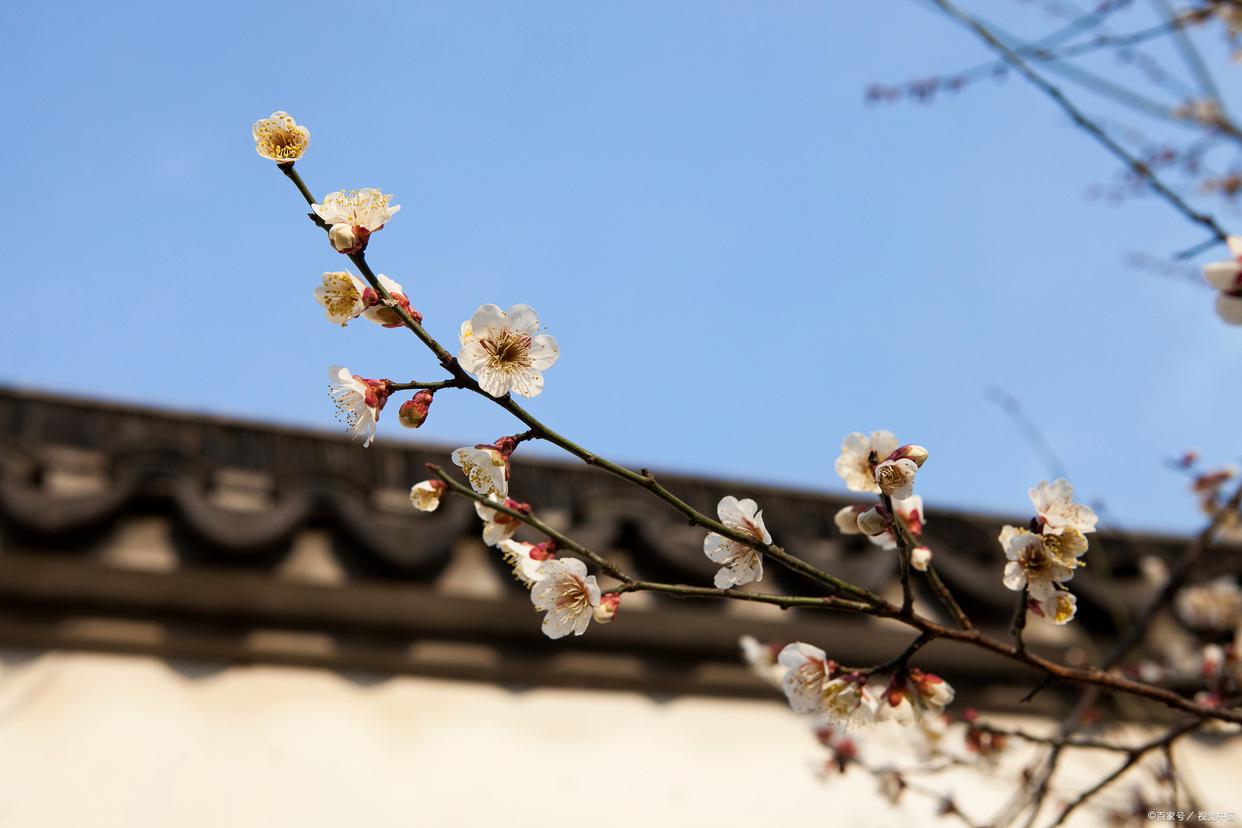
(847, 519)
(607, 607)
(916, 453)
(413, 412)
(545, 551)
(920, 557)
(347, 239)
(874, 521)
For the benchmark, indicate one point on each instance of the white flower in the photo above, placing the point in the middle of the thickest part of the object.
(497, 526)
(846, 519)
(741, 563)
(425, 496)
(1039, 562)
(279, 138)
(1215, 605)
(1060, 607)
(761, 658)
(505, 350)
(526, 567)
(485, 467)
(1054, 503)
(896, 477)
(382, 314)
(567, 594)
(358, 401)
(366, 209)
(806, 670)
(911, 695)
(345, 239)
(859, 456)
(1227, 278)
(931, 692)
(847, 702)
(343, 296)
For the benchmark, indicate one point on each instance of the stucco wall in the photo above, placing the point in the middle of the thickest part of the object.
(101, 740)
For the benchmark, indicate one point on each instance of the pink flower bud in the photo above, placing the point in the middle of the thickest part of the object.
(413, 412)
(604, 612)
(916, 453)
(545, 551)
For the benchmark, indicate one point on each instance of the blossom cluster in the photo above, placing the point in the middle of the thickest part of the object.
(877, 464)
(846, 697)
(1043, 557)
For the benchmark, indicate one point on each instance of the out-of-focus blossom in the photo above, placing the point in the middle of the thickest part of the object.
(567, 594)
(505, 350)
(846, 519)
(741, 564)
(806, 670)
(911, 694)
(426, 495)
(920, 558)
(1227, 276)
(1215, 605)
(358, 401)
(762, 659)
(860, 455)
(279, 138)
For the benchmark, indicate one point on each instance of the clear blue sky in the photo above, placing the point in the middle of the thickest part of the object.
(741, 261)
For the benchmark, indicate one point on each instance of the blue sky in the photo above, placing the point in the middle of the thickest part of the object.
(740, 259)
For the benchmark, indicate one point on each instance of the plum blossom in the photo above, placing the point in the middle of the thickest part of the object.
(353, 216)
(1060, 607)
(342, 295)
(1057, 511)
(880, 529)
(1040, 562)
(486, 467)
(499, 526)
(1215, 605)
(505, 350)
(741, 563)
(896, 477)
(426, 496)
(279, 138)
(1227, 278)
(527, 559)
(846, 519)
(413, 412)
(567, 594)
(859, 456)
(358, 401)
(920, 558)
(806, 671)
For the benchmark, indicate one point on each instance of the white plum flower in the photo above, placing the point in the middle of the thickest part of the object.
(426, 496)
(527, 560)
(279, 138)
(1057, 511)
(1227, 278)
(913, 694)
(741, 563)
(505, 350)
(358, 401)
(343, 296)
(1215, 605)
(920, 558)
(806, 671)
(846, 519)
(567, 594)
(895, 478)
(879, 529)
(353, 216)
(499, 526)
(1040, 562)
(486, 468)
(367, 208)
(847, 702)
(1060, 607)
(860, 455)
